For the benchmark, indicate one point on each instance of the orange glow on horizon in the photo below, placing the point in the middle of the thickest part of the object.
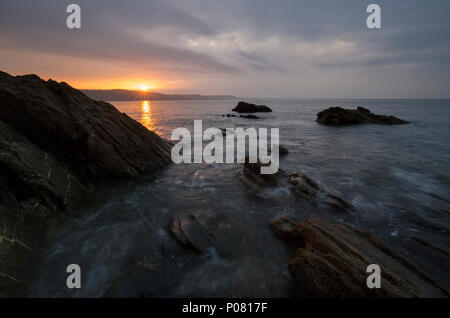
(133, 85)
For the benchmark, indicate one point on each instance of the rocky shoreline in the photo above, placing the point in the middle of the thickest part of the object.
(57, 145)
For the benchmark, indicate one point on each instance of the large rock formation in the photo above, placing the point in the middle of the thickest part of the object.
(337, 116)
(331, 261)
(244, 107)
(55, 143)
(91, 135)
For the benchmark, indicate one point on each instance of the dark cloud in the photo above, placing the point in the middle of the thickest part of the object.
(259, 63)
(225, 40)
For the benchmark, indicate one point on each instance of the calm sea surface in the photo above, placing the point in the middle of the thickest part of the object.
(397, 176)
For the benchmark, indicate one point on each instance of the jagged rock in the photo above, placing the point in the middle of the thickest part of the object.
(243, 107)
(200, 232)
(331, 261)
(304, 187)
(337, 116)
(301, 186)
(35, 173)
(55, 144)
(93, 136)
(252, 175)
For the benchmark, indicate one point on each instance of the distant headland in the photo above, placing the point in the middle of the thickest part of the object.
(126, 95)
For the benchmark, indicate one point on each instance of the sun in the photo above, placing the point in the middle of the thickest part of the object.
(143, 88)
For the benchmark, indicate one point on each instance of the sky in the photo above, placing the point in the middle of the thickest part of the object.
(251, 48)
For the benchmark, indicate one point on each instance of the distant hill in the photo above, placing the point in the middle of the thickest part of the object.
(125, 95)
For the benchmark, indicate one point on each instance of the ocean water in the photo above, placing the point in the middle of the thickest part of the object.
(398, 177)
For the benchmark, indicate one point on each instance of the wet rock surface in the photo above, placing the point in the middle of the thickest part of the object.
(191, 238)
(55, 145)
(92, 136)
(244, 107)
(283, 150)
(200, 232)
(337, 116)
(331, 261)
(300, 185)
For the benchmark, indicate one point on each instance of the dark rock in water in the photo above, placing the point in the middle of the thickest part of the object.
(55, 143)
(243, 107)
(283, 228)
(195, 236)
(154, 274)
(337, 116)
(331, 261)
(249, 116)
(252, 175)
(283, 150)
(304, 187)
(200, 232)
(301, 186)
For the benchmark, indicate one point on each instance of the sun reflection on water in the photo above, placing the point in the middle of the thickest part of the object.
(147, 117)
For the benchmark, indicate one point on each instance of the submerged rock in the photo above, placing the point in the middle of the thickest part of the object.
(249, 116)
(253, 178)
(337, 116)
(283, 150)
(243, 107)
(55, 144)
(200, 232)
(331, 261)
(194, 237)
(304, 187)
(301, 186)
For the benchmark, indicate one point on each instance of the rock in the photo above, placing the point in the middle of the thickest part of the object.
(249, 116)
(55, 144)
(304, 187)
(200, 232)
(154, 274)
(331, 261)
(252, 173)
(92, 136)
(337, 116)
(283, 228)
(196, 236)
(283, 150)
(301, 186)
(243, 107)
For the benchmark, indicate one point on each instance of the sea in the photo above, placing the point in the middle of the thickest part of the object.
(397, 177)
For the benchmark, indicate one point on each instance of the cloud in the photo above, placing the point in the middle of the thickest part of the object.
(249, 47)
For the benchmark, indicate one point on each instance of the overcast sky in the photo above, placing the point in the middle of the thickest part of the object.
(254, 48)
